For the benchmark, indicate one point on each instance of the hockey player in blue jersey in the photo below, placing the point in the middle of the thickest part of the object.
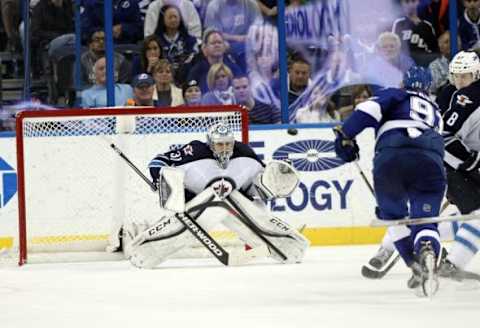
(459, 101)
(203, 172)
(409, 176)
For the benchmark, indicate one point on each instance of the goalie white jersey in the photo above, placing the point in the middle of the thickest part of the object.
(201, 168)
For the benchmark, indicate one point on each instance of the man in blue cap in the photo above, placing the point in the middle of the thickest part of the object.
(143, 87)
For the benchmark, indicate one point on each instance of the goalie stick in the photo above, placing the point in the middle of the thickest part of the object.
(245, 219)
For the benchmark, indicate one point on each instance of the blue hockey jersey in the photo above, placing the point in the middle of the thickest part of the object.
(395, 114)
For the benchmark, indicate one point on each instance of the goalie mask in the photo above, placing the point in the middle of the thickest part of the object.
(221, 141)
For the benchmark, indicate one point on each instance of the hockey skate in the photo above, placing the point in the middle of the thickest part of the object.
(380, 264)
(381, 258)
(449, 270)
(424, 271)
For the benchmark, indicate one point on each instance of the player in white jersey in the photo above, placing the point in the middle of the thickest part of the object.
(462, 158)
(221, 170)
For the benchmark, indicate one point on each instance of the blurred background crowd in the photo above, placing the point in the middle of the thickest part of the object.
(198, 52)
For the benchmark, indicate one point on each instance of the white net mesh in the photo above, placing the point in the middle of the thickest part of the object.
(77, 188)
(171, 123)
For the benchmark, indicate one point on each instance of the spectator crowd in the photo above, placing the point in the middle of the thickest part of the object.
(201, 52)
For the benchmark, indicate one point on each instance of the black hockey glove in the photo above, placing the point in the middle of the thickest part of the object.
(472, 163)
(345, 148)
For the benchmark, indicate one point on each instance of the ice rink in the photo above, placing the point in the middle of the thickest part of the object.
(325, 291)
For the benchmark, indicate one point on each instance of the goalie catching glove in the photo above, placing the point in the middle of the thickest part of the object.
(278, 180)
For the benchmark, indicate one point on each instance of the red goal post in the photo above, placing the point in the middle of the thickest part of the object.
(72, 186)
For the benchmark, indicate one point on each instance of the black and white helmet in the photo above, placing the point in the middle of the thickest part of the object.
(464, 62)
(221, 141)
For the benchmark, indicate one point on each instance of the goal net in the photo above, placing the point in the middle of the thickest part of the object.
(73, 189)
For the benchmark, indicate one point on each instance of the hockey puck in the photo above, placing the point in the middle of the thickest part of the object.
(292, 131)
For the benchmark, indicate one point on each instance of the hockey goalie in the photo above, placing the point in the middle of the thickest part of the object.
(223, 182)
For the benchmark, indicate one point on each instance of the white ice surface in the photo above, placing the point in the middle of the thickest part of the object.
(326, 291)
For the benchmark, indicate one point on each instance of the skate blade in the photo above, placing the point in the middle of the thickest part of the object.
(430, 285)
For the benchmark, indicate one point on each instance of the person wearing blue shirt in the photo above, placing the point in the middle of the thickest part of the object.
(96, 96)
(408, 171)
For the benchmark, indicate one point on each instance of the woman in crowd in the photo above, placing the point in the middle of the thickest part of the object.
(178, 46)
(219, 80)
(150, 54)
(166, 93)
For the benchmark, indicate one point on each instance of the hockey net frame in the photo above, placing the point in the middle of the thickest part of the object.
(24, 117)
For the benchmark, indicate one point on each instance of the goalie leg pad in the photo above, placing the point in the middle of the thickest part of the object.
(291, 242)
(148, 246)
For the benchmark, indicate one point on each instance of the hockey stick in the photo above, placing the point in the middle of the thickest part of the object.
(466, 275)
(367, 270)
(364, 178)
(195, 229)
(435, 219)
(372, 273)
(133, 166)
(389, 223)
(370, 187)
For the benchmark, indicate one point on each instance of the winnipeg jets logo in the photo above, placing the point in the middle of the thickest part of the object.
(188, 150)
(463, 100)
(222, 188)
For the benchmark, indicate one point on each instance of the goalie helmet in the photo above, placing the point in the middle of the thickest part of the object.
(221, 141)
(463, 63)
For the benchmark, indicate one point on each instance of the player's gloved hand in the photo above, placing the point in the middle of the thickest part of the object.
(472, 163)
(345, 148)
